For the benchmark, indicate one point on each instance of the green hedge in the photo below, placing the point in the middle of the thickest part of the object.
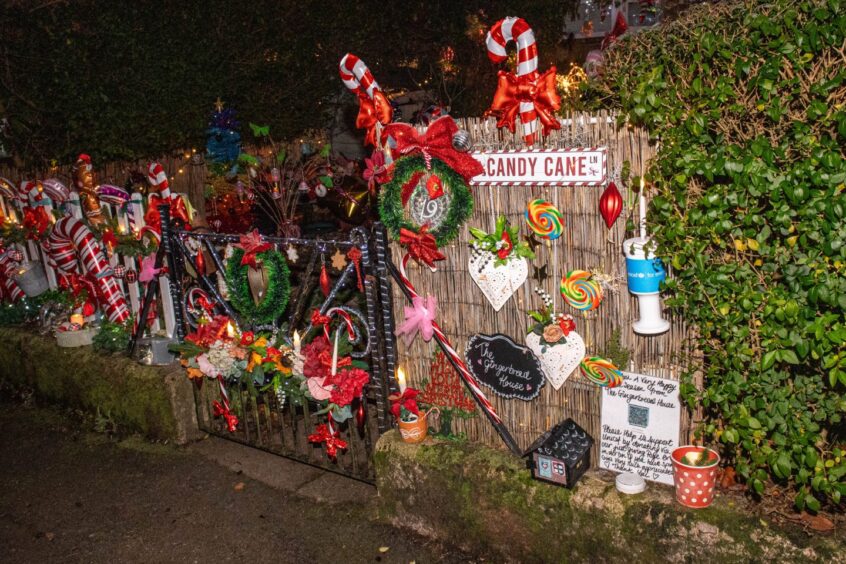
(747, 100)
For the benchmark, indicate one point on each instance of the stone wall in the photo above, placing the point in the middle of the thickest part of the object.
(486, 501)
(155, 401)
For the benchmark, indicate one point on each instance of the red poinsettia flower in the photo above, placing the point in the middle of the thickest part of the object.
(506, 248)
(348, 385)
(247, 338)
(408, 400)
(313, 355)
(566, 323)
(252, 243)
(376, 171)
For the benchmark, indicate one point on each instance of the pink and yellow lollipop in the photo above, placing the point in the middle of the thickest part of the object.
(544, 219)
(601, 372)
(580, 290)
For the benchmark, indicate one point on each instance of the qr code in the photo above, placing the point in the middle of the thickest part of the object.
(638, 416)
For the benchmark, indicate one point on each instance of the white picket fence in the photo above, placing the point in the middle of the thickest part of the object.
(134, 292)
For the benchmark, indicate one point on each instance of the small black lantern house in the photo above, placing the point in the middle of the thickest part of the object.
(561, 455)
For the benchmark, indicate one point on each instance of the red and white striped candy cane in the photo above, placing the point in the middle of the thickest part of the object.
(70, 238)
(9, 289)
(357, 77)
(347, 320)
(517, 30)
(465, 374)
(157, 177)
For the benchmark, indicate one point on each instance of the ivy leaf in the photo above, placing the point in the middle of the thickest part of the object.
(260, 130)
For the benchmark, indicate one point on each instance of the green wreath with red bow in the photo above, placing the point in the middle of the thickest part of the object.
(427, 199)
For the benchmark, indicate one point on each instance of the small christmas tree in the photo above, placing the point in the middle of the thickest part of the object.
(223, 144)
(445, 391)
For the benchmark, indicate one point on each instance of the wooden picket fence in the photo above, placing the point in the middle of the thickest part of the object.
(130, 218)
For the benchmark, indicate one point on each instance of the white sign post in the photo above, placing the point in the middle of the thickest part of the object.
(640, 427)
(564, 167)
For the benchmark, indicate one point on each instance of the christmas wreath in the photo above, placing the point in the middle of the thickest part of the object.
(259, 281)
(436, 200)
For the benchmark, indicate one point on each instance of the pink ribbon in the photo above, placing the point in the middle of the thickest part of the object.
(419, 317)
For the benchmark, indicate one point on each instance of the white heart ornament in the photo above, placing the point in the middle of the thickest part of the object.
(559, 360)
(498, 283)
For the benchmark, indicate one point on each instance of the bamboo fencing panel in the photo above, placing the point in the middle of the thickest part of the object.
(587, 244)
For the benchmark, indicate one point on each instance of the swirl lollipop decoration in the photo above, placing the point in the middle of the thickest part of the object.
(601, 372)
(544, 219)
(580, 290)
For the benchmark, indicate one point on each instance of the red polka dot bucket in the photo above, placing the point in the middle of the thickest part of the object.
(694, 483)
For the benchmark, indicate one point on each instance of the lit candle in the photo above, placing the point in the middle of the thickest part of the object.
(335, 354)
(231, 332)
(297, 343)
(77, 318)
(401, 379)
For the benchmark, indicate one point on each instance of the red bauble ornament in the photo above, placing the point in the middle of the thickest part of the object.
(360, 415)
(200, 263)
(324, 280)
(119, 271)
(131, 276)
(610, 204)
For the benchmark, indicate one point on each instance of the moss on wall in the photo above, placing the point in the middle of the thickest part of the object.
(136, 397)
(486, 501)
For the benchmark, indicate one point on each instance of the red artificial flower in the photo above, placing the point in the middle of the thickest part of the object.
(348, 385)
(247, 338)
(566, 323)
(208, 333)
(313, 367)
(408, 400)
(506, 249)
(252, 243)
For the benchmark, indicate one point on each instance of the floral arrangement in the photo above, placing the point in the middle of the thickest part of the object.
(404, 406)
(553, 328)
(218, 351)
(504, 242)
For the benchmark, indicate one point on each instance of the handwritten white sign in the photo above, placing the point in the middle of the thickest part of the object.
(564, 167)
(640, 427)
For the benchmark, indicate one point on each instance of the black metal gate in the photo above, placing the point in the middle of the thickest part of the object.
(269, 422)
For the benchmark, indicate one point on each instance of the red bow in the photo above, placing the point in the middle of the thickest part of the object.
(177, 211)
(224, 411)
(36, 221)
(371, 111)
(252, 243)
(421, 246)
(317, 319)
(331, 438)
(539, 89)
(435, 142)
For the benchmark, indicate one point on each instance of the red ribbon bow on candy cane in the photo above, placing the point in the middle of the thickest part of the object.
(538, 89)
(222, 410)
(332, 439)
(371, 112)
(36, 220)
(252, 243)
(153, 218)
(419, 317)
(421, 246)
(435, 142)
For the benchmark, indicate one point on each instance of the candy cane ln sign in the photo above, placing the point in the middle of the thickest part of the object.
(564, 167)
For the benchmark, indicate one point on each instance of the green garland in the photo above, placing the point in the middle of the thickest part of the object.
(392, 211)
(278, 287)
(112, 337)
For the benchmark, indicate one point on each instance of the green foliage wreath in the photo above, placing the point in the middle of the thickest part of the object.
(393, 213)
(278, 288)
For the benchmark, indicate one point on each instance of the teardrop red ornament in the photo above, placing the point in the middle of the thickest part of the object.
(610, 204)
(360, 415)
(324, 280)
(200, 263)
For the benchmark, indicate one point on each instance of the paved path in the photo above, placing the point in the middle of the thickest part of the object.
(69, 495)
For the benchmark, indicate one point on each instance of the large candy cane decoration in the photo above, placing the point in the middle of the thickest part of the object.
(532, 92)
(517, 30)
(374, 106)
(9, 289)
(157, 177)
(69, 238)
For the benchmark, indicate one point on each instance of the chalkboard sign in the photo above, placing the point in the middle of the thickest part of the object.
(510, 370)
